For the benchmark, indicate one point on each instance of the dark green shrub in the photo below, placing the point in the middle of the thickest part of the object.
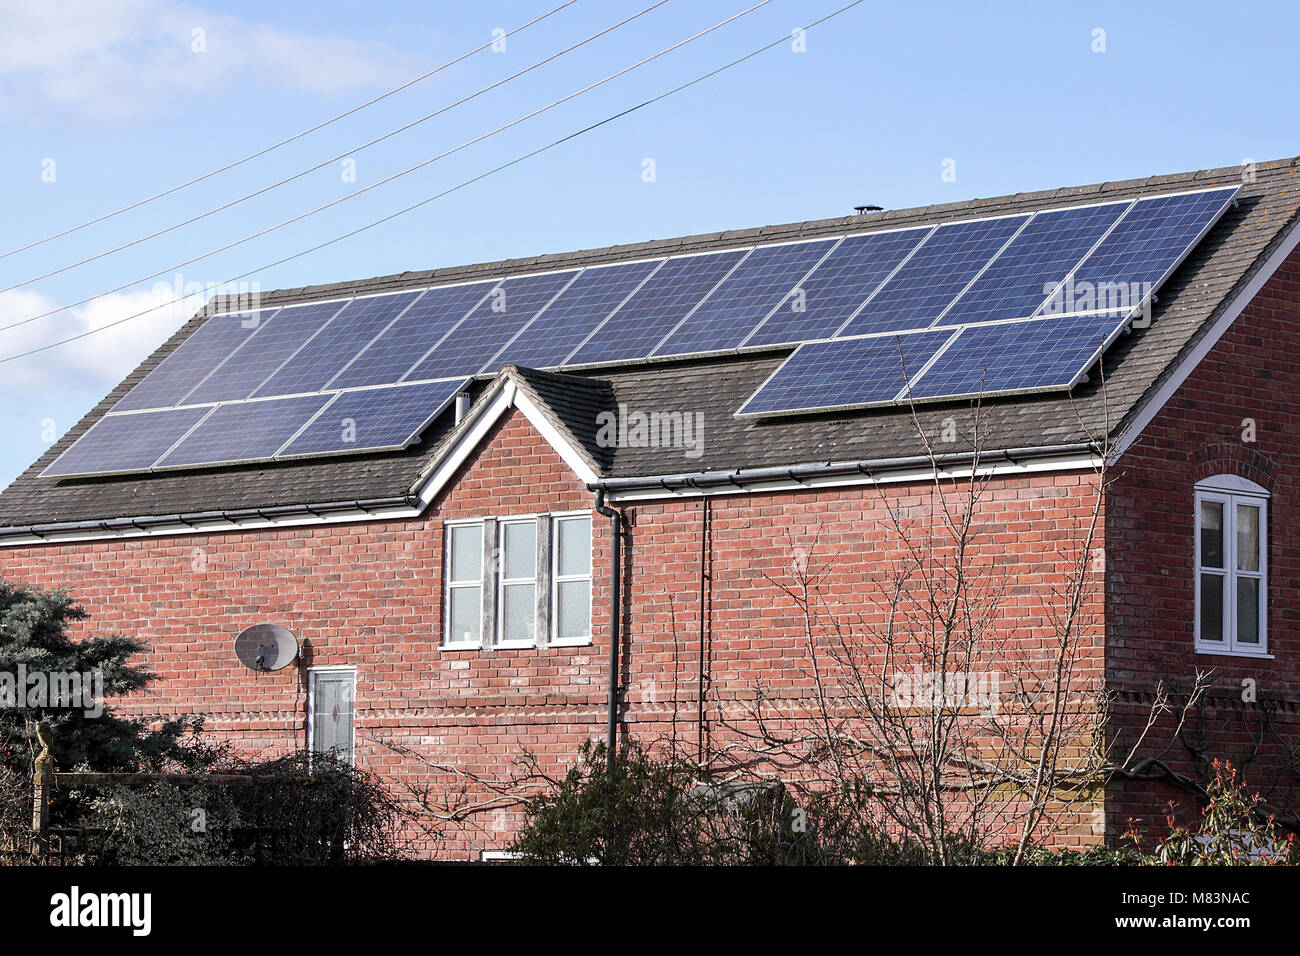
(639, 809)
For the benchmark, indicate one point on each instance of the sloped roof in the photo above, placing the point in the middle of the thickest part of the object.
(1134, 368)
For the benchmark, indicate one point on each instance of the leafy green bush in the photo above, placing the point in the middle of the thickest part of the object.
(638, 809)
(1234, 830)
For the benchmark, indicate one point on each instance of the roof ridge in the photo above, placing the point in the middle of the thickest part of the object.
(666, 246)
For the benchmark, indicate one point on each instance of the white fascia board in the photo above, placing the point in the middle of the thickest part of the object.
(510, 396)
(459, 452)
(1027, 466)
(210, 526)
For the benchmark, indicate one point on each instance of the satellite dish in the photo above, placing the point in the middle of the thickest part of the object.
(266, 647)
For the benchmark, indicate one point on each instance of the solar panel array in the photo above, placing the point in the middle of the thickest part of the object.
(257, 430)
(996, 305)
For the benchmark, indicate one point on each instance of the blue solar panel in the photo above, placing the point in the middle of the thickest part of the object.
(1050, 353)
(206, 348)
(651, 313)
(1151, 239)
(1033, 264)
(1106, 260)
(469, 347)
(419, 329)
(374, 419)
(118, 443)
(838, 287)
(244, 431)
(846, 373)
(322, 358)
(768, 276)
(240, 375)
(927, 282)
(572, 316)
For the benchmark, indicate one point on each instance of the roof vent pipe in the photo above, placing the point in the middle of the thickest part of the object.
(462, 406)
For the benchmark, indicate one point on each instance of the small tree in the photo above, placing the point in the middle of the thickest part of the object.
(967, 702)
(35, 639)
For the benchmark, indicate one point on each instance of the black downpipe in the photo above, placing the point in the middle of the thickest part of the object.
(704, 623)
(615, 614)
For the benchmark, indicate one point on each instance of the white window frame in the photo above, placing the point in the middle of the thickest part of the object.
(502, 581)
(556, 580)
(1229, 491)
(312, 673)
(448, 585)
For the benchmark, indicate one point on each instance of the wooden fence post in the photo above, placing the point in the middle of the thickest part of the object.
(42, 779)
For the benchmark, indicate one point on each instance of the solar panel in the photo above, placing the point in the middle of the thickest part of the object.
(939, 269)
(838, 287)
(416, 331)
(206, 348)
(121, 443)
(653, 310)
(1136, 258)
(1022, 276)
(845, 373)
(768, 276)
(325, 355)
(374, 419)
(1009, 357)
(978, 280)
(243, 432)
(470, 346)
(573, 315)
(255, 361)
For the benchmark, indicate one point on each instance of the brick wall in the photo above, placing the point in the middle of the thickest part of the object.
(370, 595)
(1252, 373)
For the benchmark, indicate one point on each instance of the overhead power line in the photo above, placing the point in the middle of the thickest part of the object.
(334, 159)
(285, 142)
(446, 192)
(387, 179)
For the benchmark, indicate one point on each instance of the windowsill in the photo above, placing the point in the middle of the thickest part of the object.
(1233, 652)
(570, 642)
(529, 645)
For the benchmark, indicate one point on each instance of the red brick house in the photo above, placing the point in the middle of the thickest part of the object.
(454, 600)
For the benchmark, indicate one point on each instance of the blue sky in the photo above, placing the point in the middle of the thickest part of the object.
(114, 99)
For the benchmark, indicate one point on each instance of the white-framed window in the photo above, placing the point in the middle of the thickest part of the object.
(517, 583)
(1231, 567)
(571, 579)
(331, 709)
(463, 614)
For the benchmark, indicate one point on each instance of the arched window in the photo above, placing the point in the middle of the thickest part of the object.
(1231, 566)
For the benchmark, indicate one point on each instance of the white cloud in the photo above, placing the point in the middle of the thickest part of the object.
(98, 361)
(113, 60)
